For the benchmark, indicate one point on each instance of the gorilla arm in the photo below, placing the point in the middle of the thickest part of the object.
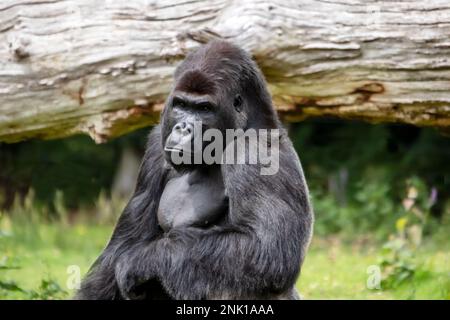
(257, 255)
(137, 222)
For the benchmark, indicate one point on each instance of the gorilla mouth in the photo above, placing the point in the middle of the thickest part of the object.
(179, 150)
(173, 149)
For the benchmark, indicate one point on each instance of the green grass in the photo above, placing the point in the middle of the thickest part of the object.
(34, 259)
(46, 253)
(336, 270)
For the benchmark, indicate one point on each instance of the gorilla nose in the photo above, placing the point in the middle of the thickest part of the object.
(183, 128)
(181, 138)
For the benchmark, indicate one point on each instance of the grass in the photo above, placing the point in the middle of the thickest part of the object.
(35, 257)
(46, 253)
(336, 269)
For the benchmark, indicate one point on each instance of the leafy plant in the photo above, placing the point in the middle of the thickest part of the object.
(48, 289)
(398, 253)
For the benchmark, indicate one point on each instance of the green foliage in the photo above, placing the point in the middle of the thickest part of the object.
(337, 269)
(398, 254)
(369, 209)
(397, 264)
(33, 243)
(357, 172)
(75, 166)
(48, 288)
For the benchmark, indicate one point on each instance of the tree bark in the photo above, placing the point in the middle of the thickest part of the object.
(104, 67)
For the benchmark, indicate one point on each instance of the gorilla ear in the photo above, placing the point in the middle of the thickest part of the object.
(237, 103)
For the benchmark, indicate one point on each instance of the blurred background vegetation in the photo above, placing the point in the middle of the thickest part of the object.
(381, 195)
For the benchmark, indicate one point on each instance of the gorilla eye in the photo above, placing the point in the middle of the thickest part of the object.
(177, 102)
(237, 103)
(204, 106)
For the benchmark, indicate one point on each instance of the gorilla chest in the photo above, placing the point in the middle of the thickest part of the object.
(192, 199)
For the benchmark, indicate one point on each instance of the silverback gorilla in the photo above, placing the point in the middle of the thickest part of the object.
(219, 231)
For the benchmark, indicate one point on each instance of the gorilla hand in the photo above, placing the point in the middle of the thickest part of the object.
(144, 263)
(132, 272)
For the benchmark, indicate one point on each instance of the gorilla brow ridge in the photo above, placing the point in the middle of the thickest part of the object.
(195, 81)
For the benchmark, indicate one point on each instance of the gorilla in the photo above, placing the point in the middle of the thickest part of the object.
(209, 231)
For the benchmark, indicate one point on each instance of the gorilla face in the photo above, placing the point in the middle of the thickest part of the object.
(194, 106)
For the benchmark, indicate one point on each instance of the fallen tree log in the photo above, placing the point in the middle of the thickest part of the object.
(104, 67)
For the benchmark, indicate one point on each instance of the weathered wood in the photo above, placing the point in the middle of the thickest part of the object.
(104, 67)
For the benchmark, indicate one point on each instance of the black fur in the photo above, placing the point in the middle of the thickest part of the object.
(256, 251)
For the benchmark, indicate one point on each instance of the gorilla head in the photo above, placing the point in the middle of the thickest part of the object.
(220, 87)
